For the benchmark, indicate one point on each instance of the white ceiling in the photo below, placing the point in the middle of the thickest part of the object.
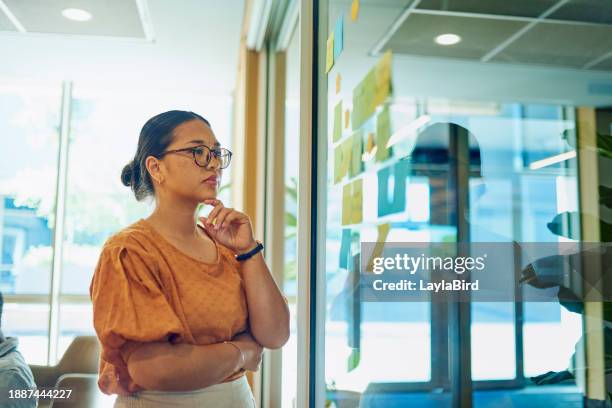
(195, 44)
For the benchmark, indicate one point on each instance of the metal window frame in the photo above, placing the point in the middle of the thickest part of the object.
(58, 227)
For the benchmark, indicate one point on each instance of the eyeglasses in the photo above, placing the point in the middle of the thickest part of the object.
(202, 155)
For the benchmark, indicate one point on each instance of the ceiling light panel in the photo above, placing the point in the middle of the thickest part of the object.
(592, 11)
(567, 45)
(478, 35)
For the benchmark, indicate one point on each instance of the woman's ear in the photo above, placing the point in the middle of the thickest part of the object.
(154, 168)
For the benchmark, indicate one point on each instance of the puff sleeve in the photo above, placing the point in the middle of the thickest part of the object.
(128, 302)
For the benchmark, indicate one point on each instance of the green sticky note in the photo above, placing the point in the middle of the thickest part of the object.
(347, 146)
(356, 166)
(383, 134)
(337, 122)
(329, 61)
(347, 203)
(353, 360)
(352, 202)
(341, 160)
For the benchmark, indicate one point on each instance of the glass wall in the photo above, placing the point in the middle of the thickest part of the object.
(418, 92)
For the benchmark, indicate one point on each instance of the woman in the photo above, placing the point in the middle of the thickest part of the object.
(183, 309)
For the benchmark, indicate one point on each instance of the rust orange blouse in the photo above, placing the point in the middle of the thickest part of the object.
(144, 289)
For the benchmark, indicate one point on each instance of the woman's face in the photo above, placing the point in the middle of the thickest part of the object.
(182, 177)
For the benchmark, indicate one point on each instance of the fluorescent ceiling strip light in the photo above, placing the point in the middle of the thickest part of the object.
(552, 160)
(408, 130)
(394, 27)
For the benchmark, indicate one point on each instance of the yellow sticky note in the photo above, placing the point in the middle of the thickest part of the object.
(337, 122)
(357, 202)
(383, 133)
(355, 10)
(329, 62)
(338, 80)
(383, 232)
(372, 91)
(347, 115)
(382, 75)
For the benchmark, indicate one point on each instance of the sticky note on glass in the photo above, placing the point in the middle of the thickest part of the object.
(382, 74)
(357, 202)
(342, 155)
(355, 10)
(392, 188)
(353, 360)
(345, 247)
(329, 61)
(347, 203)
(337, 122)
(338, 164)
(383, 133)
(347, 116)
(346, 148)
(352, 202)
(338, 83)
(338, 37)
(363, 99)
(356, 166)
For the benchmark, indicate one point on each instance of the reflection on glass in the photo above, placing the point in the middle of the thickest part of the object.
(521, 187)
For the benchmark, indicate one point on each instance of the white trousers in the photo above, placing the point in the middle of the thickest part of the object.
(232, 394)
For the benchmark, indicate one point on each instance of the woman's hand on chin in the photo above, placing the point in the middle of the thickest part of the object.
(229, 227)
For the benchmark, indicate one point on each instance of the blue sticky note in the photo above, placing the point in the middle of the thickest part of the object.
(391, 201)
(345, 247)
(338, 37)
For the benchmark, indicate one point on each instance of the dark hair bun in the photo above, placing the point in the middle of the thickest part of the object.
(127, 174)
